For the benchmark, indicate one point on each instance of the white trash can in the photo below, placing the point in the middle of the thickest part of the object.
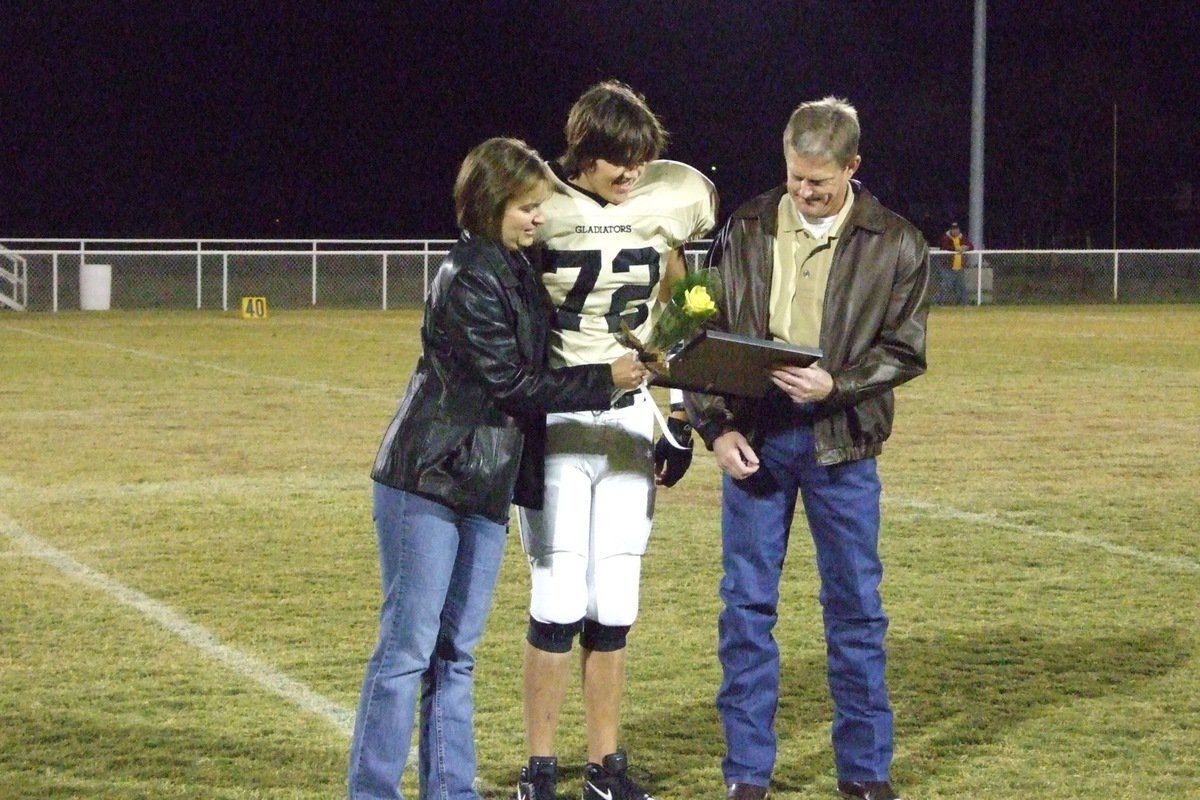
(95, 287)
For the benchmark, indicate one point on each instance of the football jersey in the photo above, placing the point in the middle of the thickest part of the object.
(603, 262)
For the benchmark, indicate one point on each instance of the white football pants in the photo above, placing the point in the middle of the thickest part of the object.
(585, 546)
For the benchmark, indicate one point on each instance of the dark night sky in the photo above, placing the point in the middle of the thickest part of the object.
(348, 120)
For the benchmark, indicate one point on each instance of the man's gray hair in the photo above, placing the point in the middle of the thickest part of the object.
(826, 129)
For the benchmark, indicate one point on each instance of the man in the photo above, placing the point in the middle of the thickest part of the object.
(817, 262)
(614, 232)
(953, 284)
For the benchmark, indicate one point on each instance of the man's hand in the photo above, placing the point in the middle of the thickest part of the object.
(803, 384)
(734, 455)
(670, 463)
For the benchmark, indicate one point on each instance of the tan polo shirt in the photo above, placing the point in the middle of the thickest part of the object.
(800, 273)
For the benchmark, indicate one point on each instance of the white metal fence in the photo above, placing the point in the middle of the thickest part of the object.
(14, 282)
(215, 274)
(1071, 276)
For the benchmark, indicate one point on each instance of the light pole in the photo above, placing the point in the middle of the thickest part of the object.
(1114, 178)
(977, 118)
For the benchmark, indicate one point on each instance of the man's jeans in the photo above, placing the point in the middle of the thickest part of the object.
(952, 287)
(842, 506)
(439, 569)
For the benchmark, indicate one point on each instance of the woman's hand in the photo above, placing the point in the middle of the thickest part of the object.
(628, 372)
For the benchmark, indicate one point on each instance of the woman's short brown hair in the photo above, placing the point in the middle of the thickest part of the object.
(613, 122)
(494, 172)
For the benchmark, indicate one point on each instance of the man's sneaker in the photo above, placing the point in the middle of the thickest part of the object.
(539, 779)
(609, 781)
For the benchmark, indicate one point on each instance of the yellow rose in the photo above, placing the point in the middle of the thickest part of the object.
(697, 303)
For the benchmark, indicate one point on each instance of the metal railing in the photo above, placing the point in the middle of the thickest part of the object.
(1071, 276)
(14, 280)
(214, 274)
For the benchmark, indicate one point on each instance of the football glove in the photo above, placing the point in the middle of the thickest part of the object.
(670, 463)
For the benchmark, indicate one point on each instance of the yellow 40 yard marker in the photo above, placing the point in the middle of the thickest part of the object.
(254, 308)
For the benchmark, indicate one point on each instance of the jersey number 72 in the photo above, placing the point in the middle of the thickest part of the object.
(568, 314)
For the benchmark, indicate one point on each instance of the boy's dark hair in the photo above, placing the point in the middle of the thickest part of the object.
(611, 121)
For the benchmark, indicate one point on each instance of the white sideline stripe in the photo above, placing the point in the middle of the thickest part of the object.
(187, 362)
(357, 482)
(246, 665)
(376, 330)
(992, 520)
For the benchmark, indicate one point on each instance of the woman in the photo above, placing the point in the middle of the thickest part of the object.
(467, 441)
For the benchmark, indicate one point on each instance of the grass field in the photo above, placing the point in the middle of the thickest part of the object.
(188, 576)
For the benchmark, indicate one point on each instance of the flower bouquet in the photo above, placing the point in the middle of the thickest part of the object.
(693, 301)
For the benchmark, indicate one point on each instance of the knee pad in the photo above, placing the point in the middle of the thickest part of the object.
(552, 637)
(603, 638)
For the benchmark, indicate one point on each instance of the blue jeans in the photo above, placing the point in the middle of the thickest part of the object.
(952, 286)
(842, 506)
(439, 569)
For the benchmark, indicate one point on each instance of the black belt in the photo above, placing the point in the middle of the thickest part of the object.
(625, 400)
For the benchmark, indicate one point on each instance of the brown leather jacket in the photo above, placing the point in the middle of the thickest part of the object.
(872, 329)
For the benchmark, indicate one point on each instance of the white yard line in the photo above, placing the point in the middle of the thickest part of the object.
(172, 621)
(150, 355)
(377, 331)
(270, 487)
(996, 521)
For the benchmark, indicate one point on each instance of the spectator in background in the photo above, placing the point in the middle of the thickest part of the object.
(467, 441)
(952, 286)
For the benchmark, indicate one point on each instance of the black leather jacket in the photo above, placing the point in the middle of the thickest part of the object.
(872, 327)
(470, 431)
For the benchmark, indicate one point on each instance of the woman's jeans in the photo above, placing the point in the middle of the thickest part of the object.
(439, 569)
(842, 506)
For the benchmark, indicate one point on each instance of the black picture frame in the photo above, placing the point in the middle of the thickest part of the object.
(715, 362)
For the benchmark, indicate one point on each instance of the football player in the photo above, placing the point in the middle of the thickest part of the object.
(613, 243)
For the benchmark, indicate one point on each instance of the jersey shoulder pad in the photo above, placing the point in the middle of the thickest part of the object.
(673, 184)
(679, 175)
